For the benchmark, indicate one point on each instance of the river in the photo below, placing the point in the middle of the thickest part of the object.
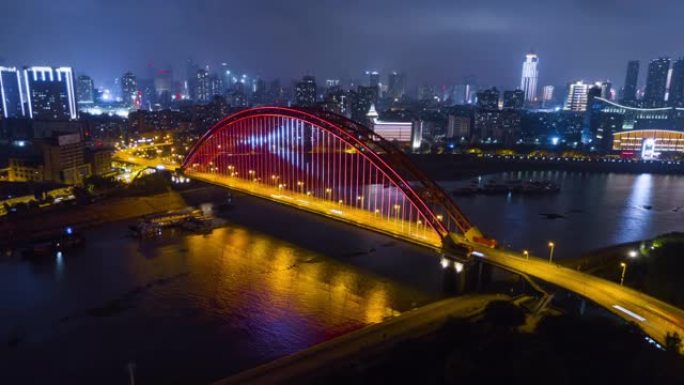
(190, 309)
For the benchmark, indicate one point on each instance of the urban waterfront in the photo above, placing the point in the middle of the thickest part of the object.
(592, 210)
(194, 308)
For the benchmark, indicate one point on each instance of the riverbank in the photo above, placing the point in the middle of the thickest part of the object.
(455, 166)
(37, 225)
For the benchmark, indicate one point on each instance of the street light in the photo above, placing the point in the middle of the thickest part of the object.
(633, 254)
(624, 268)
(526, 254)
(551, 247)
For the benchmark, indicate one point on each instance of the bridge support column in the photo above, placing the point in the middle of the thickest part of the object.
(484, 273)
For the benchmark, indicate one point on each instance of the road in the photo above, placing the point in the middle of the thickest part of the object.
(655, 317)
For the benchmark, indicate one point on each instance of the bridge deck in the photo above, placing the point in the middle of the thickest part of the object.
(396, 227)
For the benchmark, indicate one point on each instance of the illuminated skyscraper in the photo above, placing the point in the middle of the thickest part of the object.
(129, 90)
(656, 83)
(396, 85)
(578, 94)
(11, 93)
(530, 76)
(85, 91)
(629, 92)
(305, 92)
(50, 93)
(373, 79)
(202, 86)
(547, 95)
(676, 94)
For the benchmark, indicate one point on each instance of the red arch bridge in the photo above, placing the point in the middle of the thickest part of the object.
(324, 163)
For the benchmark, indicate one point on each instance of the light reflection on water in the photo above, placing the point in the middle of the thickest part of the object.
(597, 210)
(230, 300)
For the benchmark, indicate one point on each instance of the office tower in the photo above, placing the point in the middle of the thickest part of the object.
(50, 93)
(305, 92)
(215, 85)
(85, 90)
(373, 79)
(202, 86)
(461, 94)
(578, 94)
(547, 95)
(676, 94)
(630, 89)
(396, 85)
(129, 90)
(226, 77)
(514, 99)
(11, 93)
(361, 101)
(530, 76)
(488, 99)
(656, 83)
(163, 84)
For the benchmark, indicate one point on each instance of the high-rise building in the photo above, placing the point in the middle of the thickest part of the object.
(50, 93)
(676, 94)
(461, 94)
(361, 101)
(215, 85)
(547, 95)
(373, 79)
(129, 90)
(578, 94)
(396, 85)
(11, 93)
(656, 83)
(226, 76)
(305, 92)
(530, 76)
(514, 99)
(85, 90)
(630, 89)
(488, 99)
(202, 86)
(163, 85)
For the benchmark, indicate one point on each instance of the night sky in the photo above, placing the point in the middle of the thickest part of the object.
(432, 40)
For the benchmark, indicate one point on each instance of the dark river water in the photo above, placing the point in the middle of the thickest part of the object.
(190, 309)
(597, 210)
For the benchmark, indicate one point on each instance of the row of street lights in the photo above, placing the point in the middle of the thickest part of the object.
(551, 245)
(631, 254)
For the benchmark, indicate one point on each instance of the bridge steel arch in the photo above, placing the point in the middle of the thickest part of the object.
(328, 164)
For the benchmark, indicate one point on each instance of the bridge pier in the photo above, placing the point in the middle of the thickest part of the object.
(484, 275)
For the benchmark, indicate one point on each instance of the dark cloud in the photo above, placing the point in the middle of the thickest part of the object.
(433, 40)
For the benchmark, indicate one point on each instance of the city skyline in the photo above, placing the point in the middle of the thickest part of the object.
(485, 41)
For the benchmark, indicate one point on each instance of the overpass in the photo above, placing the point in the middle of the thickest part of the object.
(324, 163)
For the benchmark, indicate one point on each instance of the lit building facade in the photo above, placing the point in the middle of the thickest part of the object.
(129, 90)
(649, 144)
(305, 92)
(50, 93)
(578, 94)
(630, 91)
(656, 83)
(85, 91)
(11, 93)
(547, 95)
(530, 77)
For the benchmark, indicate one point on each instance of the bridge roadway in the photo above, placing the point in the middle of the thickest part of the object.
(655, 317)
